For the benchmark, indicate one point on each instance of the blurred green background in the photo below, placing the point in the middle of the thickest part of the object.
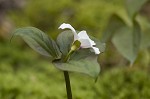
(24, 74)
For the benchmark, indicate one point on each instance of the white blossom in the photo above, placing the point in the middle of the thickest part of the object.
(82, 36)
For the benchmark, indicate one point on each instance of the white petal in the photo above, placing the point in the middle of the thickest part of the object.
(83, 35)
(85, 43)
(96, 50)
(64, 26)
(92, 42)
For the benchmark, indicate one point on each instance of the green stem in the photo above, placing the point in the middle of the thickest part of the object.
(68, 86)
(67, 79)
(68, 55)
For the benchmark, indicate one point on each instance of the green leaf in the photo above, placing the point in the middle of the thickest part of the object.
(133, 6)
(39, 41)
(127, 41)
(81, 54)
(65, 40)
(114, 24)
(81, 64)
(136, 36)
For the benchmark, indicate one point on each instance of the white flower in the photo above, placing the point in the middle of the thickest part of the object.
(82, 36)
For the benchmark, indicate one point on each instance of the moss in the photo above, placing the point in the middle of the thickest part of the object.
(36, 78)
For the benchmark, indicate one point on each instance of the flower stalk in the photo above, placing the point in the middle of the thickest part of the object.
(67, 78)
(68, 86)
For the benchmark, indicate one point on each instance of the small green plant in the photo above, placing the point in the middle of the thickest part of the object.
(71, 51)
(128, 30)
(75, 51)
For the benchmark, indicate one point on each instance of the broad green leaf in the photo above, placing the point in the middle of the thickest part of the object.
(81, 64)
(133, 6)
(127, 41)
(39, 41)
(114, 24)
(65, 40)
(136, 36)
(81, 54)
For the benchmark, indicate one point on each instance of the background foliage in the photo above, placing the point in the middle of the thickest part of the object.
(25, 75)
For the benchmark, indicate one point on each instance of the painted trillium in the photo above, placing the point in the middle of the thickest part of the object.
(82, 37)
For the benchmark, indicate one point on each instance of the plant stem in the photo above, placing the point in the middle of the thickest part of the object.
(68, 87)
(67, 79)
